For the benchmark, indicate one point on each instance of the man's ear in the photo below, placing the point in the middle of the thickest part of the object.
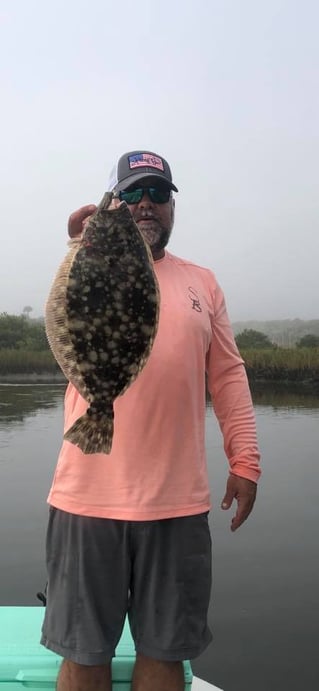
(173, 210)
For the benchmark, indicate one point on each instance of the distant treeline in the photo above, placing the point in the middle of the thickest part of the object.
(284, 333)
(22, 333)
(24, 351)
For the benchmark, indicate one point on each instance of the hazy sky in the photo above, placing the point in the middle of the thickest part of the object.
(226, 90)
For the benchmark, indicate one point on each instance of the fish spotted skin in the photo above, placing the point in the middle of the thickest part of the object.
(101, 318)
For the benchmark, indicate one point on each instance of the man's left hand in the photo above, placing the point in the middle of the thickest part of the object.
(244, 491)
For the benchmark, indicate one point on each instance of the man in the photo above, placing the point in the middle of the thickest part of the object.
(128, 532)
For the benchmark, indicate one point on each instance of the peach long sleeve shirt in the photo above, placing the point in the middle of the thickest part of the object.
(157, 466)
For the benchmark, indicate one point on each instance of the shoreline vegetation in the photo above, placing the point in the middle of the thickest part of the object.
(280, 365)
(286, 365)
(25, 356)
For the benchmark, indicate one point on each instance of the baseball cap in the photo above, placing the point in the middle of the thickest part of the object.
(136, 165)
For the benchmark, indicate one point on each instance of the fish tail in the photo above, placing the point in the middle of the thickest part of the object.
(91, 433)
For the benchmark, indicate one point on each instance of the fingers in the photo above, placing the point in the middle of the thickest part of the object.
(231, 492)
(228, 499)
(244, 491)
(77, 219)
(243, 510)
(115, 202)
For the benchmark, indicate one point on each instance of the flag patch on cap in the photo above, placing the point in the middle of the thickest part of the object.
(143, 160)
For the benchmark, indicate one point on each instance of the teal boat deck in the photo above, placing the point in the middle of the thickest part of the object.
(24, 663)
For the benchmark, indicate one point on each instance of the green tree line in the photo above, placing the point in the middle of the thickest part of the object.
(24, 349)
(266, 361)
(250, 338)
(22, 333)
(284, 332)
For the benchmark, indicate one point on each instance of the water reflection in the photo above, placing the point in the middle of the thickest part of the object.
(283, 396)
(265, 593)
(18, 401)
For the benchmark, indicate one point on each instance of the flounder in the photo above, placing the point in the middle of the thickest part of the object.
(101, 318)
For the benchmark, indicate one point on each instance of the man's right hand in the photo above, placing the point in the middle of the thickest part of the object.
(77, 219)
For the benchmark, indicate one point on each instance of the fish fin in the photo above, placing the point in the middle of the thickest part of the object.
(91, 434)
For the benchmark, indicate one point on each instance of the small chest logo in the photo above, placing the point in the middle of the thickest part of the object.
(193, 297)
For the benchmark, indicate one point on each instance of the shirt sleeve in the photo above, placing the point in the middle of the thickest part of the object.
(229, 390)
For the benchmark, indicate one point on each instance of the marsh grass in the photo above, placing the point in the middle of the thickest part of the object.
(26, 362)
(282, 364)
(278, 364)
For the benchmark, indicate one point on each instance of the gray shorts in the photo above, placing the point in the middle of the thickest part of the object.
(99, 570)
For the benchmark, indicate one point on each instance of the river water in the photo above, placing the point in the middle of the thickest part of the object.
(265, 601)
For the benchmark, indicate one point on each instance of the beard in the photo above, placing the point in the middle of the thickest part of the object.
(154, 233)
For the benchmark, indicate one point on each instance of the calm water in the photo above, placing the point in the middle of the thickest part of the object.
(265, 602)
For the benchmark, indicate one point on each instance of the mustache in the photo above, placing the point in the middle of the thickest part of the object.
(140, 215)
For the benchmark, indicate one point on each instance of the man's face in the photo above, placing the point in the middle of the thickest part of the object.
(155, 221)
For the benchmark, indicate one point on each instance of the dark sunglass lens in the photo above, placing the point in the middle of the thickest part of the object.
(131, 196)
(159, 195)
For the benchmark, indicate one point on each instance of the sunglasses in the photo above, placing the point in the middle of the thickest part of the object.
(158, 195)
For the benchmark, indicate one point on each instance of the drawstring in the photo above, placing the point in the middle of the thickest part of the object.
(43, 596)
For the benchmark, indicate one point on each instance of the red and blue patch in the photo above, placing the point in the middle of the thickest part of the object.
(146, 160)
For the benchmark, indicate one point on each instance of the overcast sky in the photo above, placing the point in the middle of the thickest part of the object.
(226, 90)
